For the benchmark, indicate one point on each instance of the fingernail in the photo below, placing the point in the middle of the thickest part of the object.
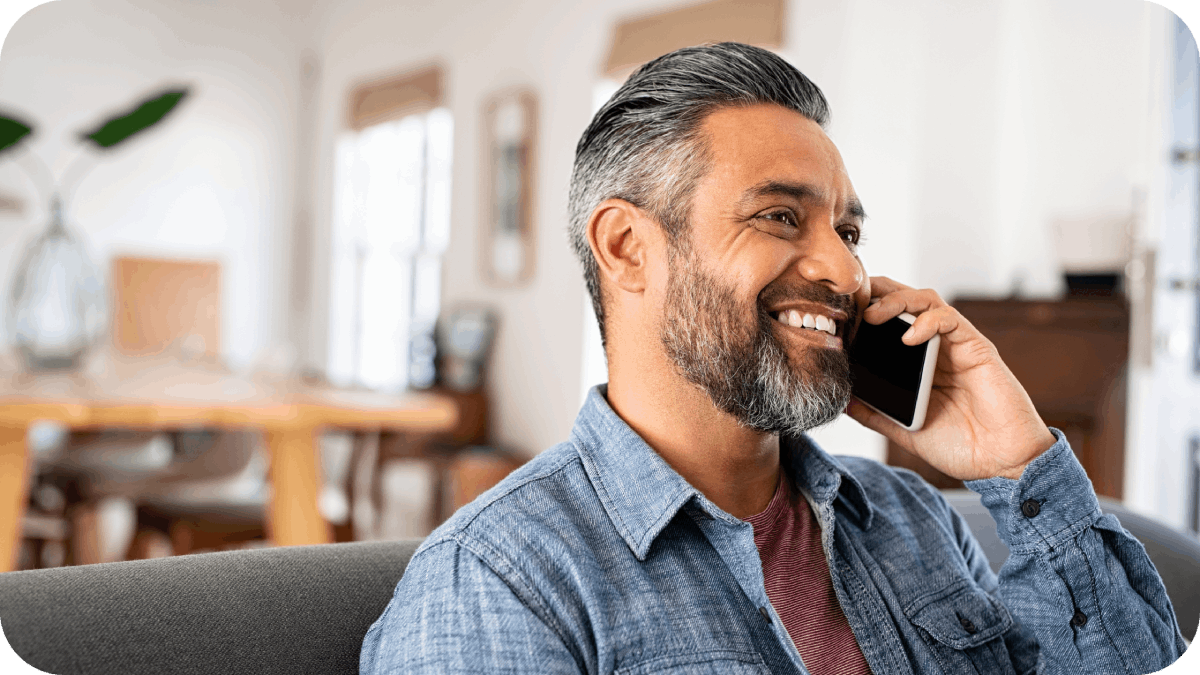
(907, 334)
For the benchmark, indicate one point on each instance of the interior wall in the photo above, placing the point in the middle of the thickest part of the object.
(213, 181)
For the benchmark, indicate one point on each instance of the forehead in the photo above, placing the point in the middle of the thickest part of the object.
(753, 144)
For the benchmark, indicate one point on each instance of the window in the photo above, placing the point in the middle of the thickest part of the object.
(391, 224)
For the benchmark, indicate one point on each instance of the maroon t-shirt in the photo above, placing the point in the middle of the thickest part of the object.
(799, 586)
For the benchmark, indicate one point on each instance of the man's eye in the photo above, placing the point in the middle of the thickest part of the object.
(851, 235)
(783, 217)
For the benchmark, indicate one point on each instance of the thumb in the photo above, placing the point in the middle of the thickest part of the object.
(864, 415)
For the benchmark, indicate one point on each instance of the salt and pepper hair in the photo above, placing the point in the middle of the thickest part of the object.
(645, 145)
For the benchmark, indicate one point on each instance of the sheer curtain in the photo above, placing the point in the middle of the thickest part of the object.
(391, 224)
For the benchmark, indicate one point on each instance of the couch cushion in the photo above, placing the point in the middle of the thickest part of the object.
(298, 609)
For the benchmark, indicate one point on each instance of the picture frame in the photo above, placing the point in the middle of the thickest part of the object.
(507, 241)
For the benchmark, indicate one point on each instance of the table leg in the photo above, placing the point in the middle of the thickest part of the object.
(14, 492)
(292, 515)
(85, 534)
(364, 493)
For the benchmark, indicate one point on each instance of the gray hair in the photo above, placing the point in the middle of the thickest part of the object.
(645, 145)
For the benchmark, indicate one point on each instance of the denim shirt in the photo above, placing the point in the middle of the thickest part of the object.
(597, 557)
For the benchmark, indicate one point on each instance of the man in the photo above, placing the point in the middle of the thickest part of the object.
(689, 525)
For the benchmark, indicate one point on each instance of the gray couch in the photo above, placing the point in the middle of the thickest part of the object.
(294, 610)
(306, 609)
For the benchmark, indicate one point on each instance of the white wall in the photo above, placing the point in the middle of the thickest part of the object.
(214, 181)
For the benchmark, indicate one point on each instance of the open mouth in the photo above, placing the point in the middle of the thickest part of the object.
(814, 322)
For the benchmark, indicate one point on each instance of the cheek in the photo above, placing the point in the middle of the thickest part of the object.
(657, 277)
(749, 268)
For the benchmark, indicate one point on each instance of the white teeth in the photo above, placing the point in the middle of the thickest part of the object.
(793, 317)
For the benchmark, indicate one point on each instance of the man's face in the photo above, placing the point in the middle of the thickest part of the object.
(771, 248)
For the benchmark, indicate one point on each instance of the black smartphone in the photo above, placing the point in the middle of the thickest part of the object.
(891, 377)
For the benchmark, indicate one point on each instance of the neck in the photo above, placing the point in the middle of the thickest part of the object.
(734, 467)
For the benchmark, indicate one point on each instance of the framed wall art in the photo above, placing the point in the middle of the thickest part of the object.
(508, 233)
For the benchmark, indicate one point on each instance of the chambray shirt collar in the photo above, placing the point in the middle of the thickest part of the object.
(641, 493)
(824, 478)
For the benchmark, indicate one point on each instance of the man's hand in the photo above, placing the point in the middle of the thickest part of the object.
(980, 422)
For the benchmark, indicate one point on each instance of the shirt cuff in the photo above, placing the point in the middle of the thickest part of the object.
(1052, 501)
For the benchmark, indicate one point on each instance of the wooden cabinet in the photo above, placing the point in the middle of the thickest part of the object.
(1071, 357)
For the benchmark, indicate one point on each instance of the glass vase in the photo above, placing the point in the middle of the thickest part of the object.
(56, 304)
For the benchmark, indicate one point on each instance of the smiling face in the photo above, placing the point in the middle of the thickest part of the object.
(766, 285)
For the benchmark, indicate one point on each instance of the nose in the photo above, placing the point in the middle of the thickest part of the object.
(826, 259)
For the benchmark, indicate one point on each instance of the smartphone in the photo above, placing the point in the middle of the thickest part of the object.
(891, 377)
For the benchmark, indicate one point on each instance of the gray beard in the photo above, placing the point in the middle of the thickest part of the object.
(743, 367)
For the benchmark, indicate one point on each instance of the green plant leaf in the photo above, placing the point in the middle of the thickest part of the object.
(148, 113)
(12, 131)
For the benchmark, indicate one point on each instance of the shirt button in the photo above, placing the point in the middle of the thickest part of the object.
(765, 614)
(967, 625)
(1031, 507)
(1079, 620)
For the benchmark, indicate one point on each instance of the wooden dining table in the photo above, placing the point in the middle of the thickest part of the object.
(165, 395)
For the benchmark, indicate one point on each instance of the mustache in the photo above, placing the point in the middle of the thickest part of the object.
(782, 291)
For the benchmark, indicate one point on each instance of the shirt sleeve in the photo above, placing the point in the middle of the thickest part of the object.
(1079, 582)
(452, 613)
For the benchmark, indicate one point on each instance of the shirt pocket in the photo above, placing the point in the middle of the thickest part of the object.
(964, 626)
(714, 662)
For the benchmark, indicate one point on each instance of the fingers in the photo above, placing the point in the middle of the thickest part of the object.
(859, 412)
(885, 285)
(945, 320)
(894, 298)
(934, 316)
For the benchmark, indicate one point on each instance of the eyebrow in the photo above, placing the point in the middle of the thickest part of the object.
(800, 192)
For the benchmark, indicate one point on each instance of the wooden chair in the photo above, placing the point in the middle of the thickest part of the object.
(159, 303)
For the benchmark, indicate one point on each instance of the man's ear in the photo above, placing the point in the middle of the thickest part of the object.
(618, 233)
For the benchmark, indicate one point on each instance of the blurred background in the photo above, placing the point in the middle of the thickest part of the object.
(338, 261)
